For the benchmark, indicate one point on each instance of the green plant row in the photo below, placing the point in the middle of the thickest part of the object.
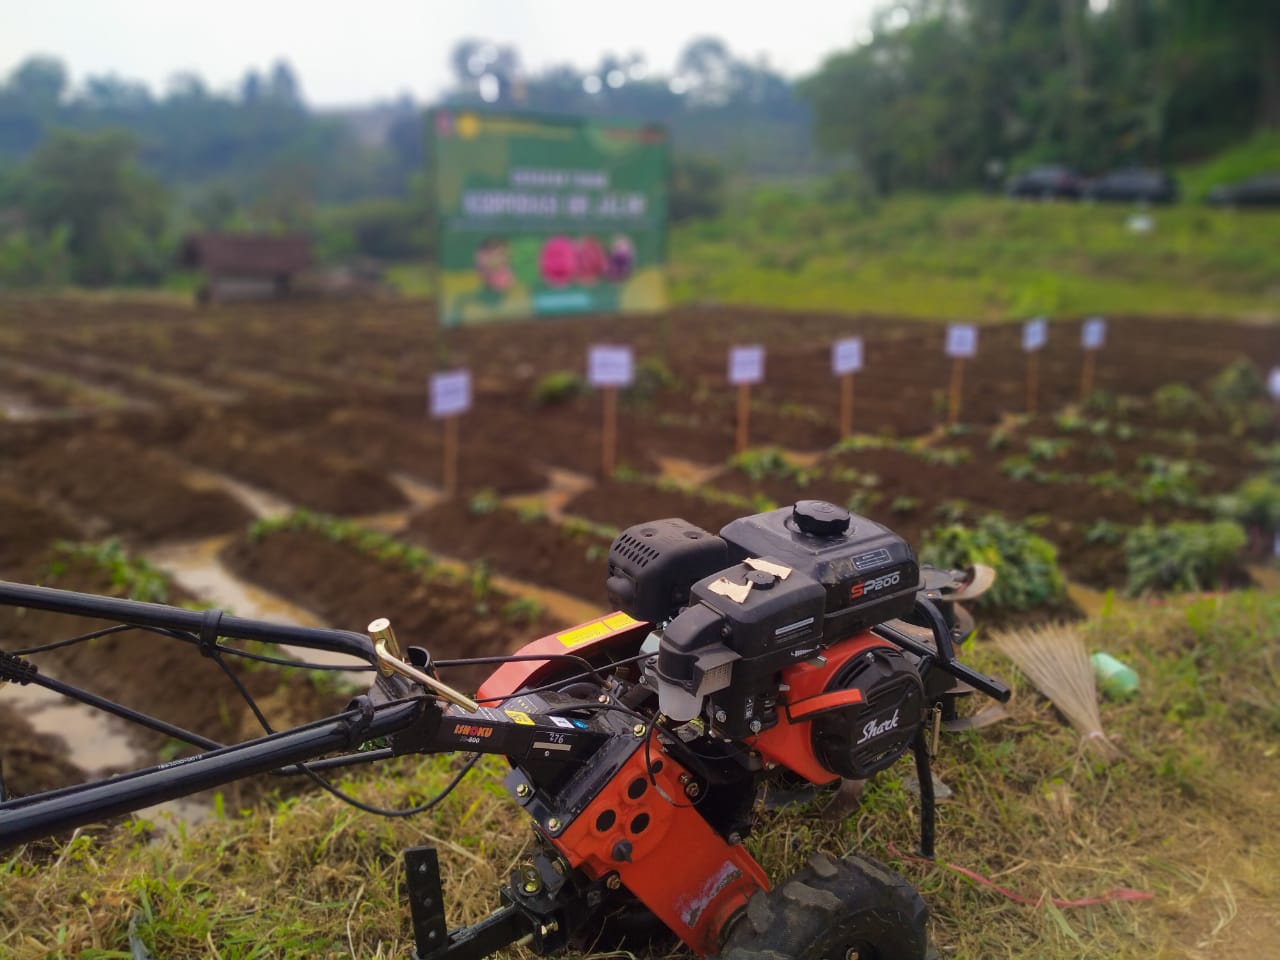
(131, 576)
(373, 543)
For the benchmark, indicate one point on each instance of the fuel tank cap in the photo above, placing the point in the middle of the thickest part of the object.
(818, 518)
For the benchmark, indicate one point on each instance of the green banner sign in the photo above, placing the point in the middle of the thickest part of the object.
(541, 216)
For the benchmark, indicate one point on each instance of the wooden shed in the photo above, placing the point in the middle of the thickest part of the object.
(246, 266)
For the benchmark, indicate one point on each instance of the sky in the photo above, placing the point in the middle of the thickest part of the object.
(358, 51)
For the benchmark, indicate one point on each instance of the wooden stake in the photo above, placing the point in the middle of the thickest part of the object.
(846, 404)
(450, 456)
(957, 381)
(1033, 380)
(1086, 375)
(609, 444)
(744, 414)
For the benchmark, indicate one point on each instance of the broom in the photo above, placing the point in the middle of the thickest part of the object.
(1054, 659)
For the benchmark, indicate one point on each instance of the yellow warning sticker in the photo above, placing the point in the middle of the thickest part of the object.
(519, 717)
(596, 629)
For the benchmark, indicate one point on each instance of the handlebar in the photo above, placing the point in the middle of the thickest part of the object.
(192, 621)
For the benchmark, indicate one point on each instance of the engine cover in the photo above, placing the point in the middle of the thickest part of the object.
(860, 738)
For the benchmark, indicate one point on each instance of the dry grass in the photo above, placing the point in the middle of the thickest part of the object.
(1189, 813)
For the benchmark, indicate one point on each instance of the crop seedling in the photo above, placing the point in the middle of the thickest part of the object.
(131, 576)
(1237, 385)
(767, 463)
(558, 387)
(1104, 531)
(1018, 467)
(1041, 449)
(1255, 504)
(1178, 402)
(484, 502)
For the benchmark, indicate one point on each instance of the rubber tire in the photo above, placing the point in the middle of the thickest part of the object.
(829, 908)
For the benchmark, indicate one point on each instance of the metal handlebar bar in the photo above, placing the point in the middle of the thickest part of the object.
(191, 621)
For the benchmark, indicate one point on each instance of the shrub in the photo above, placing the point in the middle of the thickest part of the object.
(1181, 556)
(1027, 573)
(559, 386)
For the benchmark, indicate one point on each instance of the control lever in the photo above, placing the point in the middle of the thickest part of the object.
(388, 653)
(944, 655)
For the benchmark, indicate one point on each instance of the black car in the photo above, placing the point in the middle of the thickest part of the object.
(1133, 185)
(1047, 182)
(1260, 191)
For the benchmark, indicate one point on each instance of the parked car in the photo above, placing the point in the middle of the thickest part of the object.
(1260, 191)
(1048, 181)
(1133, 184)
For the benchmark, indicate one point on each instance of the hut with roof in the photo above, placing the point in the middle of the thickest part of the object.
(246, 266)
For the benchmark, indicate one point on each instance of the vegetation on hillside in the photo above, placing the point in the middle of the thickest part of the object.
(945, 95)
(975, 257)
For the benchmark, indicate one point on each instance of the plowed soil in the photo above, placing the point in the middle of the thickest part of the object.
(324, 406)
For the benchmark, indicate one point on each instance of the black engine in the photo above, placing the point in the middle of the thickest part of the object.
(771, 591)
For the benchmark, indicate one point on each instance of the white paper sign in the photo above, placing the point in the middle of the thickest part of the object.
(1273, 384)
(962, 340)
(610, 366)
(1094, 333)
(846, 356)
(746, 364)
(450, 393)
(1035, 334)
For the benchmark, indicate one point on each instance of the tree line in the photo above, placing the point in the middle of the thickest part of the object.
(98, 182)
(947, 94)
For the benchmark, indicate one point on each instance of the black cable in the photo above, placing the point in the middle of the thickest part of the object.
(343, 760)
(564, 681)
(519, 658)
(244, 692)
(189, 638)
(57, 644)
(383, 811)
(297, 664)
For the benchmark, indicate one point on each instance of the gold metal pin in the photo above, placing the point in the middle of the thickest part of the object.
(389, 662)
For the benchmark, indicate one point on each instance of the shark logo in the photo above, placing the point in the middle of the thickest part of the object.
(874, 729)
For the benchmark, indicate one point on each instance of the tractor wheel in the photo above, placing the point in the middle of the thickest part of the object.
(849, 909)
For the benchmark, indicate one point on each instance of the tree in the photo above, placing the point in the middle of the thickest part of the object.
(39, 82)
(90, 186)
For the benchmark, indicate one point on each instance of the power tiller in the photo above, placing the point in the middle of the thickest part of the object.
(797, 648)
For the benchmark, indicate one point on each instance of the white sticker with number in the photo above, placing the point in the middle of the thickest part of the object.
(846, 356)
(1035, 334)
(450, 393)
(610, 366)
(1094, 333)
(746, 364)
(962, 340)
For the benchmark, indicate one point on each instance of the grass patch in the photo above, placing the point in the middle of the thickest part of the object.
(976, 257)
